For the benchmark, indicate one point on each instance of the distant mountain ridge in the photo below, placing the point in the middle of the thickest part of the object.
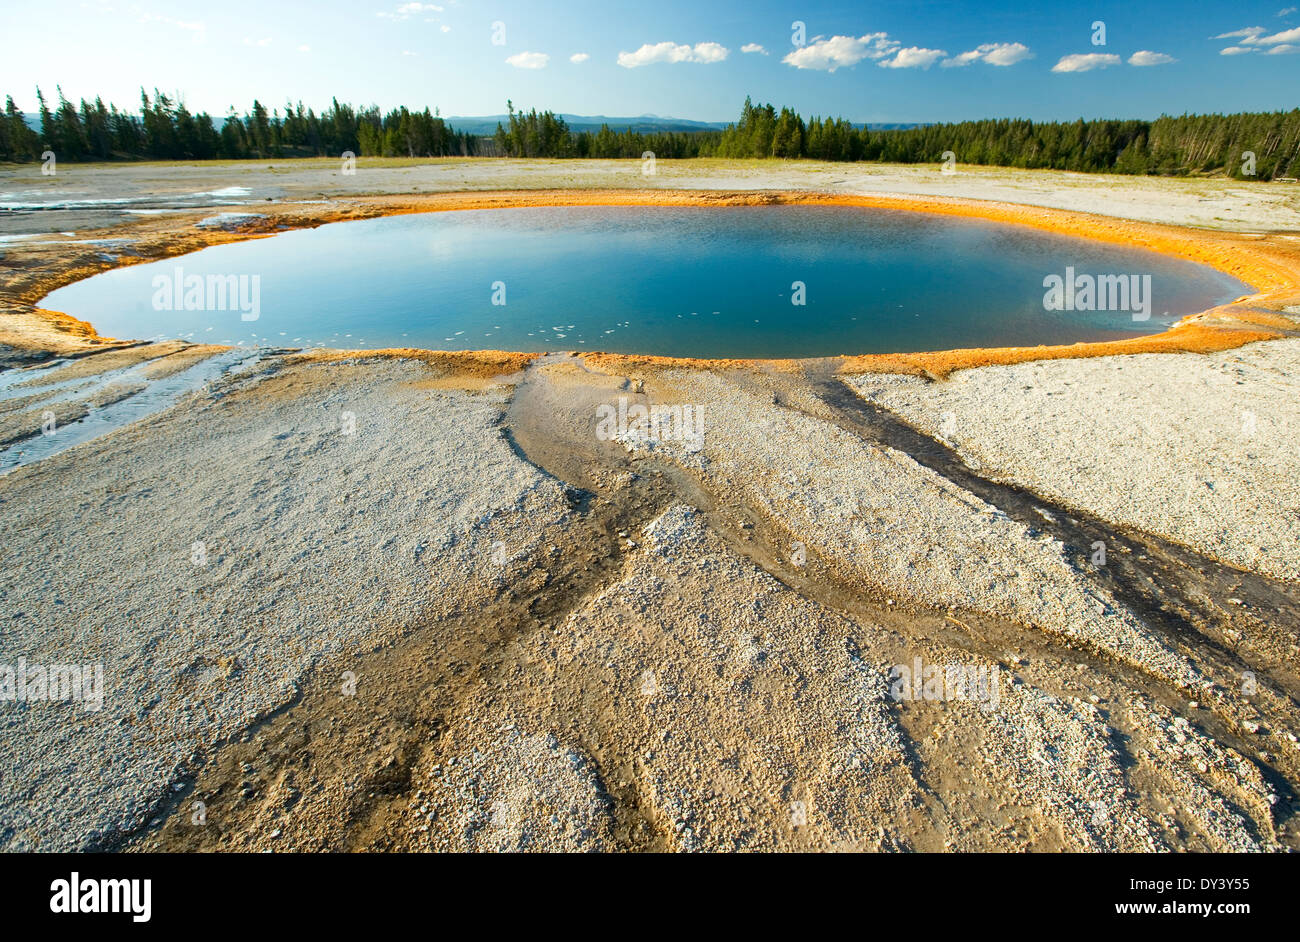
(486, 125)
(642, 124)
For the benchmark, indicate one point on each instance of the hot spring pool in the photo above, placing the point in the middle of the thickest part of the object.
(696, 281)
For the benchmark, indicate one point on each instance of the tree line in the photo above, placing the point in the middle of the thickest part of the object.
(1264, 146)
(164, 129)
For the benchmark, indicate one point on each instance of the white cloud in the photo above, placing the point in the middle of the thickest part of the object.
(1246, 35)
(1257, 39)
(529, 60)
(991, 53)
(1284, 49)
(827, 55)
(753, 47)
(1147, 57)
(913, 57)
(407, 10)
(445, 28)
(579, 57)
(407, 52)
(1287, 12)
(304, 48)
(710, 52)
(671, 52)
(249, 41)
(1005, 53)
(1086, 62)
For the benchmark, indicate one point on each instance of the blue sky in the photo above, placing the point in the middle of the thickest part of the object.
(910, 60)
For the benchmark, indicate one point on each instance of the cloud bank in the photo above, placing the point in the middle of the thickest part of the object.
(1147, 57)
(1001, 54)
(529, 60)
(1086, 62)
(827, 55)
(650, 54)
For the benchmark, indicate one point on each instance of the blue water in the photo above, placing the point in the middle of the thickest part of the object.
(706, 282)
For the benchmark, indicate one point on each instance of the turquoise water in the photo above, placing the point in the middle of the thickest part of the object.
(709, 282)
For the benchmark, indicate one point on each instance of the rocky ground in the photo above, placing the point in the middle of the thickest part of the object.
(90, 196)
(470, 623)
(419, 601)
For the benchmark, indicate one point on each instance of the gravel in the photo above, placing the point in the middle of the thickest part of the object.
(901, 528)
(304, 539)
(732, 713)
(1199, 449)
(525, 792)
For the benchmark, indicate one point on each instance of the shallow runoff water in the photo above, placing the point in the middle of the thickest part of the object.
(778, 281)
